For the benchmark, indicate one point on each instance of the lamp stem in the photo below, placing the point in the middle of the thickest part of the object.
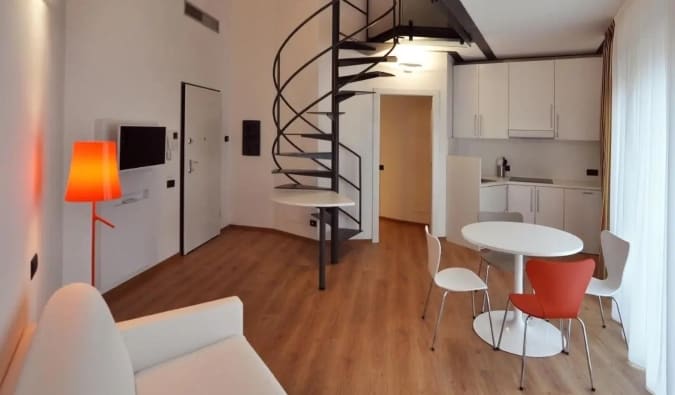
(93, 244)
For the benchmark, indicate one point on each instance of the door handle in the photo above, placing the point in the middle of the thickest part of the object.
(189, 140)
(190, 168)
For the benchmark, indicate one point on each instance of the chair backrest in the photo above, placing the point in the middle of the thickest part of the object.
(499, 216)
(77, 349)
(433, 252)
(560, 286)
(615, 253)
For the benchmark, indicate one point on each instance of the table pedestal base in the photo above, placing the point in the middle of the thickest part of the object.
(543, 339)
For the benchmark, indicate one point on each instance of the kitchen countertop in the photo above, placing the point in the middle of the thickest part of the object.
(577, 184)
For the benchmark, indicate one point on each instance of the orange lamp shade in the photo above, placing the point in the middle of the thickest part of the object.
(94, 175)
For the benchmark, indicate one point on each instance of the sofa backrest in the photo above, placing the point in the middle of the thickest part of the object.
(77, 349)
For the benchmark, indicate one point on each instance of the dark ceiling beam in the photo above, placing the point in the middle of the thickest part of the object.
(463, 18)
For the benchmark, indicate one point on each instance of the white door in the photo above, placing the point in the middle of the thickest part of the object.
(583, 209)
(465, 101)
(493, 101)
(549, 207)
(531, 95)
(578, 92)
(201, 166)
(521, 200)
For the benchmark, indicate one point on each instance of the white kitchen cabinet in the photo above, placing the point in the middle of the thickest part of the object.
(493, 101)
(465, 101)
(532, 99)
(549, 207)
(480, 101)
(578, 93)
(583, 210)
(521, 200)
(493, 198)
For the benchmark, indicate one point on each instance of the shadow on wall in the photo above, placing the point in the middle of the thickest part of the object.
(9, 342)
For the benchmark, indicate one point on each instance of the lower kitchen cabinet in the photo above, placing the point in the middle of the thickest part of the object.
(583, 209)
(549, 206)
(493, 198)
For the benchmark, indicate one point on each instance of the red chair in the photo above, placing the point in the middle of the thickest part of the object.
(559, 290)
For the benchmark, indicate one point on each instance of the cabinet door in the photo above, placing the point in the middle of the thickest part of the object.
(493, 101)
(582, 217)
(493, 198)
(531, 95)
(549, 207)
(465, 101)
(578, 92)
(521, 200)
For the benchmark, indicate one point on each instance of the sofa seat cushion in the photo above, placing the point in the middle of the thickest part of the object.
(230, 366)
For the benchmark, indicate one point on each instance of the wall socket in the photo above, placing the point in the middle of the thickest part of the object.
(591, 172)
(312, 223)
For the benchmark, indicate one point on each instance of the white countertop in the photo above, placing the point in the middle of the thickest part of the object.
(577, 184)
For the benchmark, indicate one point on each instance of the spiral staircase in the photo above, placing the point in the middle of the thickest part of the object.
(322, 171)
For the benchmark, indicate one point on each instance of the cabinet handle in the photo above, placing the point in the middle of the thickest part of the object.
(552, 111)
(537, 200)
(531, 200)
(557, 125)
(480, 125)
(587, 193)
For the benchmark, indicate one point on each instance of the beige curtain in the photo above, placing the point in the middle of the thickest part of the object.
(606, 132)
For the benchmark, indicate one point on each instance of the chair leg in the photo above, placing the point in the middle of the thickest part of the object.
(487, 276)
(602, 312)
(426, 303)
(438, 320)
(562, 337)
(522, 363)
(618, 310)
(473, 306)
(501, 331)
(492, 332)
(588, 352)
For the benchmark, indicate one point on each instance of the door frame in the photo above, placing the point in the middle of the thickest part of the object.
(439, 152)
(181, 213)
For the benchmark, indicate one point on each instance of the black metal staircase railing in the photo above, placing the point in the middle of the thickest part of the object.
(336, 94)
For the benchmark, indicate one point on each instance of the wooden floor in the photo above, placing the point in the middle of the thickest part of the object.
(364, 335)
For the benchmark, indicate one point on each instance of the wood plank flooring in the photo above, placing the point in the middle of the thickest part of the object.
(364, 335)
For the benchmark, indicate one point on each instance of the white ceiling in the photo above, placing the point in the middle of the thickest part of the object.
(518, 28)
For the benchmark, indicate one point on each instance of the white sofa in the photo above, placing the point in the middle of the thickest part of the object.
(77, 349)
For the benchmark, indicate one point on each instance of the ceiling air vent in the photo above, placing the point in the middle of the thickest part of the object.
(202, 17)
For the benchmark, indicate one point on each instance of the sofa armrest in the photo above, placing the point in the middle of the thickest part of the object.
(160, 337)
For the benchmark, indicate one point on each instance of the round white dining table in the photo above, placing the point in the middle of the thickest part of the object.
(521, 239)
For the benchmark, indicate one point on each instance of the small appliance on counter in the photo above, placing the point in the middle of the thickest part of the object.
(502, 167)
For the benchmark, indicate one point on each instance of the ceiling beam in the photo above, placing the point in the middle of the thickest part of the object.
(464, 20)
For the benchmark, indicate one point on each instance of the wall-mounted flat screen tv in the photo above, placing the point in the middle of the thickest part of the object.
(141, 146)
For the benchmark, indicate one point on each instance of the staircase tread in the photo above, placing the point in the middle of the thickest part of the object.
(357, 45)
(347, 233)
(317, 136)
(346, 62)
(347, 79)
(303, 187)
(315, 155)
(304, 172)
(323, 112)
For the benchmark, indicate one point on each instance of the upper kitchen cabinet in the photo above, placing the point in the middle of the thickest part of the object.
(480, 100)
(465, 102)
(578, 92)
(493, 101)
(532, 99)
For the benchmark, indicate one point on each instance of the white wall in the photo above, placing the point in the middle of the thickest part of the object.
(31, 181)
(565, 160)
(357, 128)
(125, 61)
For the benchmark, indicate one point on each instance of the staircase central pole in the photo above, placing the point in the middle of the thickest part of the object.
(335, 129)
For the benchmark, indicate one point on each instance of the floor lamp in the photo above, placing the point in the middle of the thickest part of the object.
(94, 177)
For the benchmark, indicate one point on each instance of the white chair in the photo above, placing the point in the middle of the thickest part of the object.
(500, 260)
(615, 253)
(454, 279)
